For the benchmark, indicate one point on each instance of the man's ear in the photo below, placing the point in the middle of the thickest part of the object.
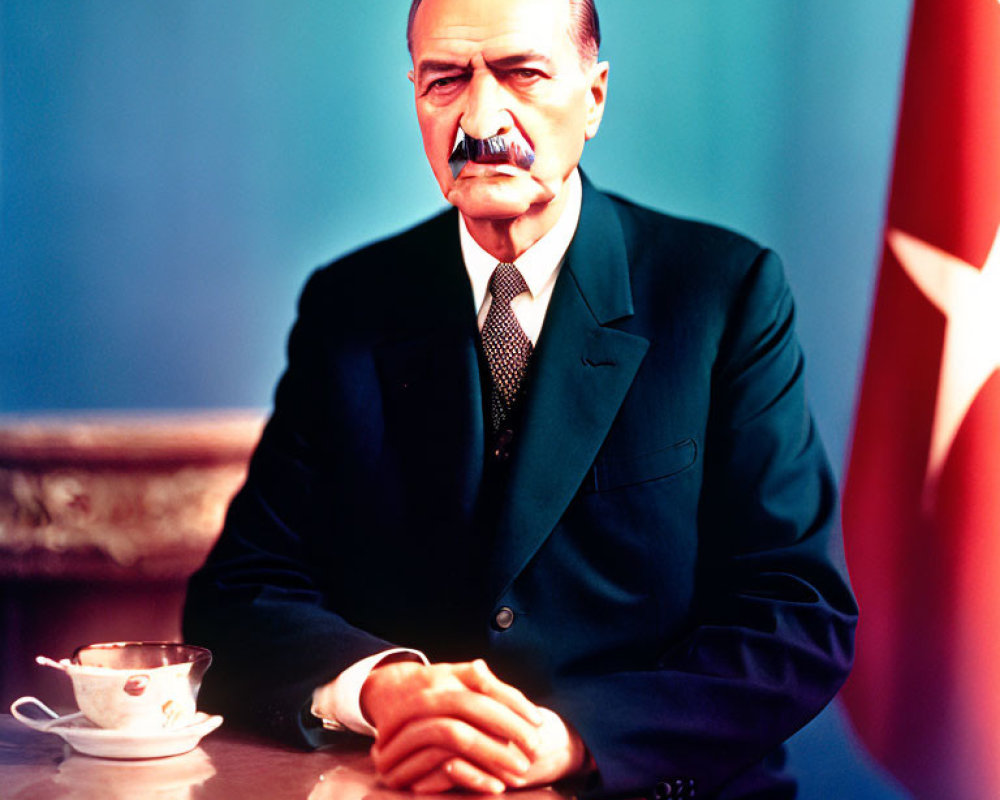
(410, 76)
(597, 98)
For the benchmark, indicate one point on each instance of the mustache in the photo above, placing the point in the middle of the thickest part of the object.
(511, 148)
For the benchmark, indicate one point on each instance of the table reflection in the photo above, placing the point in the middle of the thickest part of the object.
(228, 765)
(345, 783)
(173, 778)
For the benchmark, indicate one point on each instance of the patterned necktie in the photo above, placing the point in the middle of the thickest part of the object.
(506, 345)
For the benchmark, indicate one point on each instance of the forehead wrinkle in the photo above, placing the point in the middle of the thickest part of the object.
(465, 42)
(456, 30)
(477, 22)
(463, 36)
(514, 38)
(491, 51)
(467, 35)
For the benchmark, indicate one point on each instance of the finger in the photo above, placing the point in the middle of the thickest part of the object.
(437, 782)
(451, 734)
(459, 774)
(469, 776)
(479, 710)
(416, 767)
(478, 676)
(455, 736)
(482, 712)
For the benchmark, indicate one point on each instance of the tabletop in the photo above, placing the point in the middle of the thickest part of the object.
(228, 765)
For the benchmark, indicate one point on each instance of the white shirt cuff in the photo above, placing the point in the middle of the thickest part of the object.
(338, 703)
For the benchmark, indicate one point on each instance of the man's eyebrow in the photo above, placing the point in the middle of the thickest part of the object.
(432, 67)
(519, 59)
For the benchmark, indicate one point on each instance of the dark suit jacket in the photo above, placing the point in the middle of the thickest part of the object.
(666, 546)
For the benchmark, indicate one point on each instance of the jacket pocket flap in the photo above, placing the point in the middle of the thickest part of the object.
(617, 473)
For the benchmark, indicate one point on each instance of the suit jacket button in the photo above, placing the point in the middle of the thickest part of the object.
(504, 618)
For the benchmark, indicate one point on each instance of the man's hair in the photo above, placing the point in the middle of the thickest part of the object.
(585, 28)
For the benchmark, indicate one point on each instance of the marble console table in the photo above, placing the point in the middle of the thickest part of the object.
(102, 519)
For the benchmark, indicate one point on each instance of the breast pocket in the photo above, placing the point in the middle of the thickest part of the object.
(616, 473)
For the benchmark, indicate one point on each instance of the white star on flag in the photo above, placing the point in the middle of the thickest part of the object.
(970, 299)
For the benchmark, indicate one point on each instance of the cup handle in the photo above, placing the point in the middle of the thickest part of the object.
(37, 724)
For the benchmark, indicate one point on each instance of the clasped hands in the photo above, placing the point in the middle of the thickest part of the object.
(448, 726)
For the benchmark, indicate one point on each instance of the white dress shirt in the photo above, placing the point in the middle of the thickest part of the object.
(338, 703)
(539, 265)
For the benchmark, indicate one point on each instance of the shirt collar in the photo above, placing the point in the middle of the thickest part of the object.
(540, 262)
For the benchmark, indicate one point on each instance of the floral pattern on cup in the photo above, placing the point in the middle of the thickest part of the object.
(136, 685)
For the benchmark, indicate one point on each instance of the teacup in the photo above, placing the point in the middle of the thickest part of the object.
(138, 686)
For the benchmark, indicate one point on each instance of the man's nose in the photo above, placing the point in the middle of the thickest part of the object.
(485, 112)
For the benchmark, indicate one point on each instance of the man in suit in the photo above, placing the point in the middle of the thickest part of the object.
(540, 498)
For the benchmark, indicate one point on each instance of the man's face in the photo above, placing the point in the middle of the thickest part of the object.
(497, 68)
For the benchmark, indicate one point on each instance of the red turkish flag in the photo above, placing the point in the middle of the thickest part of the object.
(922, 497)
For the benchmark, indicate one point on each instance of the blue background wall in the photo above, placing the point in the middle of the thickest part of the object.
(173, 169)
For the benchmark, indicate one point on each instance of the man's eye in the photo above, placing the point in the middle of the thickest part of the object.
(526, 74)
(441, 84)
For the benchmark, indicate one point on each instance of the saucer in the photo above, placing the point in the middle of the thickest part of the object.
(83, 736)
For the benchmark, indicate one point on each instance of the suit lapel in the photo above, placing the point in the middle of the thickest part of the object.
(581, 373)
(429, 373)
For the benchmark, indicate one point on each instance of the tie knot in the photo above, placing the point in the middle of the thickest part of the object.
(507, 282)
